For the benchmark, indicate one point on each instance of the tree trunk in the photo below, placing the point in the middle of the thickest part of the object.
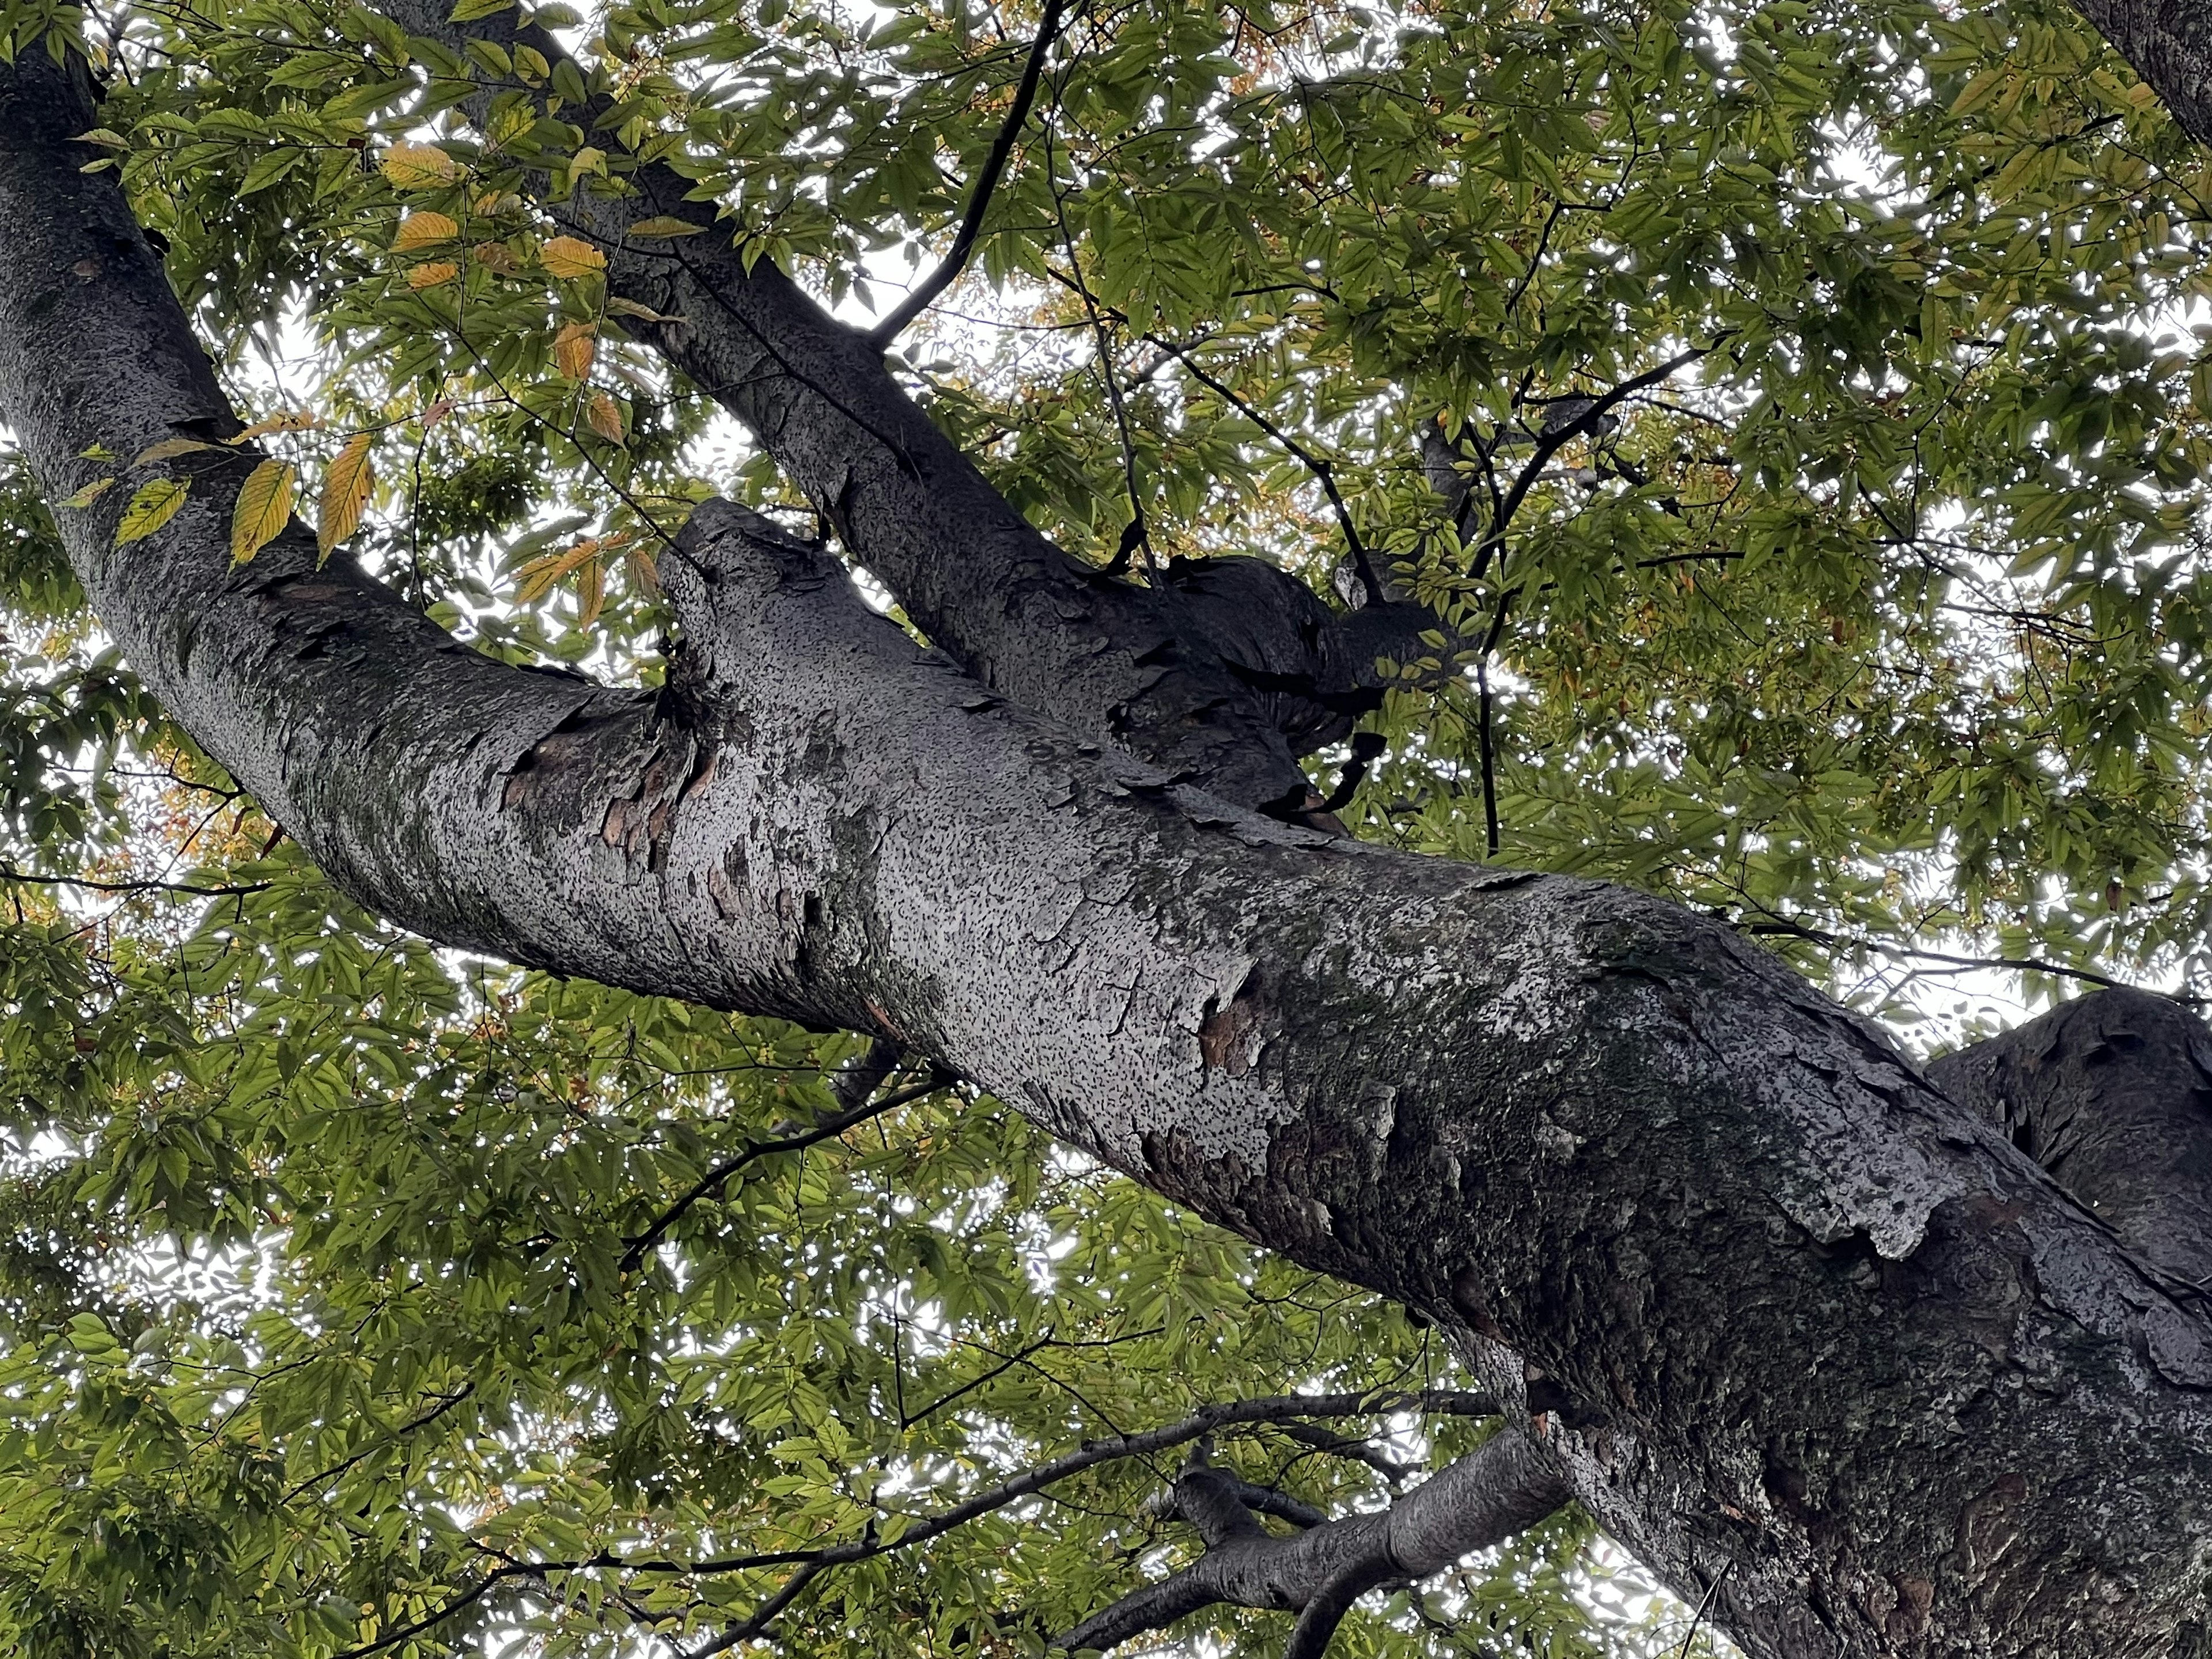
(1781, 1309)
(2169, 43)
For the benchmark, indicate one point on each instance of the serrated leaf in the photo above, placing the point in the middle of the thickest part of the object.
(346, 487)
(665, 225)
(591, 593)
(424, 229)
(284, 420)
(168, 449)
(574, 348)
(432, 274)
(91, 493)
(539, 576)
(264, 507)
(569, 257)
(419, 166)
(604, 416)
(154, 504)
(469, 10)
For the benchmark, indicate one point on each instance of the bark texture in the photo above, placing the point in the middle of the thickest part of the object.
(2112, 1094)
(1504, 1487)
(2169, 43)
(1776, 1304)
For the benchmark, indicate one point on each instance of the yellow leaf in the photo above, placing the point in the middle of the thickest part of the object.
(574, 348)
(419, 166)
(168, 449)
(91, 493)
(346, 485)
(540, 573)
(567, 257)
(494, 256)
(154, 504)
(284, 420)
(644, 573)
(631, 308)
(664, 225)
(104, 135)
(591, 593)
(431, 276)
(422, 230)
(590, 159)
(264, 506)
(604, 414)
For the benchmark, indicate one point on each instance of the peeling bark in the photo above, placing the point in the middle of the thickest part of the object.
(1779, 1307)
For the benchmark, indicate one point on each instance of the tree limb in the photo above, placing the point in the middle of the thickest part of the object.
(1503, 1487)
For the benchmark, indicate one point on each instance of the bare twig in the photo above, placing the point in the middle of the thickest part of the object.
(979, 201)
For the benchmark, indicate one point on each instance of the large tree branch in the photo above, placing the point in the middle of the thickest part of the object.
(1152, 668)
(2112, 1094)
(1798, 1315)
(1504, 1487)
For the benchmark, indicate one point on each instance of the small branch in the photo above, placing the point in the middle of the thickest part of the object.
(9, 873)
(979, 201)
(1370, 583)
(716, 1178)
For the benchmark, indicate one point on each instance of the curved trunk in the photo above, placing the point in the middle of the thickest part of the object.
(1781, 1309)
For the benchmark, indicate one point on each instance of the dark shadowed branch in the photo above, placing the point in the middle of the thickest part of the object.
(1503, 1487)
(942, 276)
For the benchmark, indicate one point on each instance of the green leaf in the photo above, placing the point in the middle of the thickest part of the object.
(154, 504)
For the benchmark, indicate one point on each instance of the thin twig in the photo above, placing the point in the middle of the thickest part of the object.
(979, 201)
(827, 1128)
(1369, 582)
(7, 872)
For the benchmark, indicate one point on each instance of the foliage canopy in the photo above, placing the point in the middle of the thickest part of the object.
(1798, 402)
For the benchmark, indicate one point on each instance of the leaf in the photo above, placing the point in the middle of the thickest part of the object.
(424, 229)
(91, 493)
(631, 308)
(269, 168)
(432, 275)
(604, 414)
(284, 420)
(96, 452)
(104, 135)
(574, 348)
(419, 166)
(346, 486)
(591, 593)
(469, 10)
(663, 224)
(154, 504)
(539, 576)
(569, 257)
(494, 256)
(263, 507)
(168, 449)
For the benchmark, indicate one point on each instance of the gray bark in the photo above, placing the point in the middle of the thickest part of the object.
(1789, 1312)
(1504, 1487)
(2169, 42)
(2113, 1094)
